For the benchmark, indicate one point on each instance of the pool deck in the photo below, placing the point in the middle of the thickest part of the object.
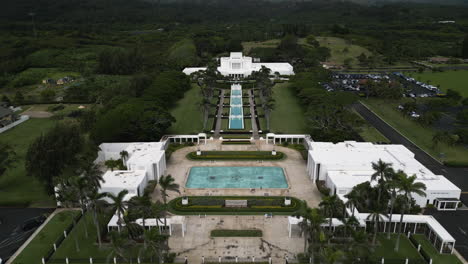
(300, 186)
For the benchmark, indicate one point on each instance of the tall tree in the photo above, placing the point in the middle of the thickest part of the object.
(7, 157)
(376, 216)
(167, 183)
(408, 186)
(330, 204)
(381, 168)
(465, 48)
(96, 203)
(53, 152)
(120, 245)
(119, 205)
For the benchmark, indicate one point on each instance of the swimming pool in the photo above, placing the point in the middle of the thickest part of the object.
(237, 177)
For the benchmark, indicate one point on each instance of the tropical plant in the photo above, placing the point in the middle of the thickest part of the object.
(124, 155)
(331, 255)
(7, 157)
(376, 216)
(155, 243)
(381, 168)
(96, 203)
(119, 205)
(330, 204)
(392, 185)
(167, 183)
(408, 186)
(93, 176)
(120, 245)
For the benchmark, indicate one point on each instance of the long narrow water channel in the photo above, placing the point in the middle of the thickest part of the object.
(236, 111)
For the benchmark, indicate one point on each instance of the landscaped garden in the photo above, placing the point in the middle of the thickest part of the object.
(187, 113)
(214, 205)
(288, 114)
(236, 233)
(385, 249)
(236, 155)
(436, 257)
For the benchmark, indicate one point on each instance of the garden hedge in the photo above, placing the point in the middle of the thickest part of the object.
(236, 233)
(215, 205)
(236, 155)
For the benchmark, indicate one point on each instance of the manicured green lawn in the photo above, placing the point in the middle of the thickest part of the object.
(188, 114)
(16, 188)
(236, 233)
(43, 242)
(434, 254)
(385, 248)
(421, 136)
(288, 115)
(337, 46)
(455, 80)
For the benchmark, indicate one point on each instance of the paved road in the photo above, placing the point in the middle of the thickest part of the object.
(452, 221)
(11, 234)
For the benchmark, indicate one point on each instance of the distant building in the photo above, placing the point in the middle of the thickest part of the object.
(446, 22)
(49, 81)
(439, 60)
(64, 80)
(239, 66)
(331, 65)
(6, 116)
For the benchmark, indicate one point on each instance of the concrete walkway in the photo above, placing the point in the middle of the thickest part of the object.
(252, 112)
(219, 114)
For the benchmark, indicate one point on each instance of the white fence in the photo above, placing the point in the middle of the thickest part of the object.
(17, 122)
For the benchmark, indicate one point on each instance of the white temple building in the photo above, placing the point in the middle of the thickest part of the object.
(239, 66)
(346, 164)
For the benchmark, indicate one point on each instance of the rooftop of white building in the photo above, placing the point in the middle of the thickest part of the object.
(350, 163)
(145, 153)
(123, 179)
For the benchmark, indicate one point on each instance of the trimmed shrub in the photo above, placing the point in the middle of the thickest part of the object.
(236, 155)
(236, 233)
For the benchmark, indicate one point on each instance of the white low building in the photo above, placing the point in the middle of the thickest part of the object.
(346, 164)
(132, 181)
(147, 156)
(239, 66)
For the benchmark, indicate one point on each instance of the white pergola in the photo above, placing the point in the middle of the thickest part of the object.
(187, 138)
(286, 137)
(153, 223)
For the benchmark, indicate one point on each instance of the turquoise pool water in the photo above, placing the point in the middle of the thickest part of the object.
(236, 177)
(236, 92)
(236, 100)
(236, 113)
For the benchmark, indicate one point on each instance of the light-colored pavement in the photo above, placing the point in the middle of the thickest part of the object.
(275, 242)
(252, 112)
(219, 114)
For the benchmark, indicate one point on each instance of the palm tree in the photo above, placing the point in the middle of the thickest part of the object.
(408, 186)
(111, 164)
(141, 207)
(155, 243)
(331, 255)
(380, 168)
(157, 211)
(67, 195)
(268, 106)
(118, 205)
(330, 204)
(166, 183)
(349, 223)
(123, 156)
(119, 245)
(392, 185)
(82, 188)
(205, 105)
(95, 203)
(376, 216)
(93, 176)
(354, 198)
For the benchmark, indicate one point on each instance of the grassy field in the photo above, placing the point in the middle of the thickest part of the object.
(288, 115)
(18, 189)
(41, 244)
(187, 112)
(421, 136)
(272, 43)
(455, 80)
(337, 47)
(385, 248)
(436, 257)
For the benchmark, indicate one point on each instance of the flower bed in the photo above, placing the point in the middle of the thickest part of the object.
(236, 155)
(215, 205)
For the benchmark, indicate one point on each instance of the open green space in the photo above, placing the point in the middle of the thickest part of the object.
(43, 242)
(342, 49)
(434, 254)
(188, 113)
(18, 189)
(215, 205)
(248, 45)
(420, 135)
(236, 155)
(236, 233)
(288, 115)
(385, 248)
(455, 80)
